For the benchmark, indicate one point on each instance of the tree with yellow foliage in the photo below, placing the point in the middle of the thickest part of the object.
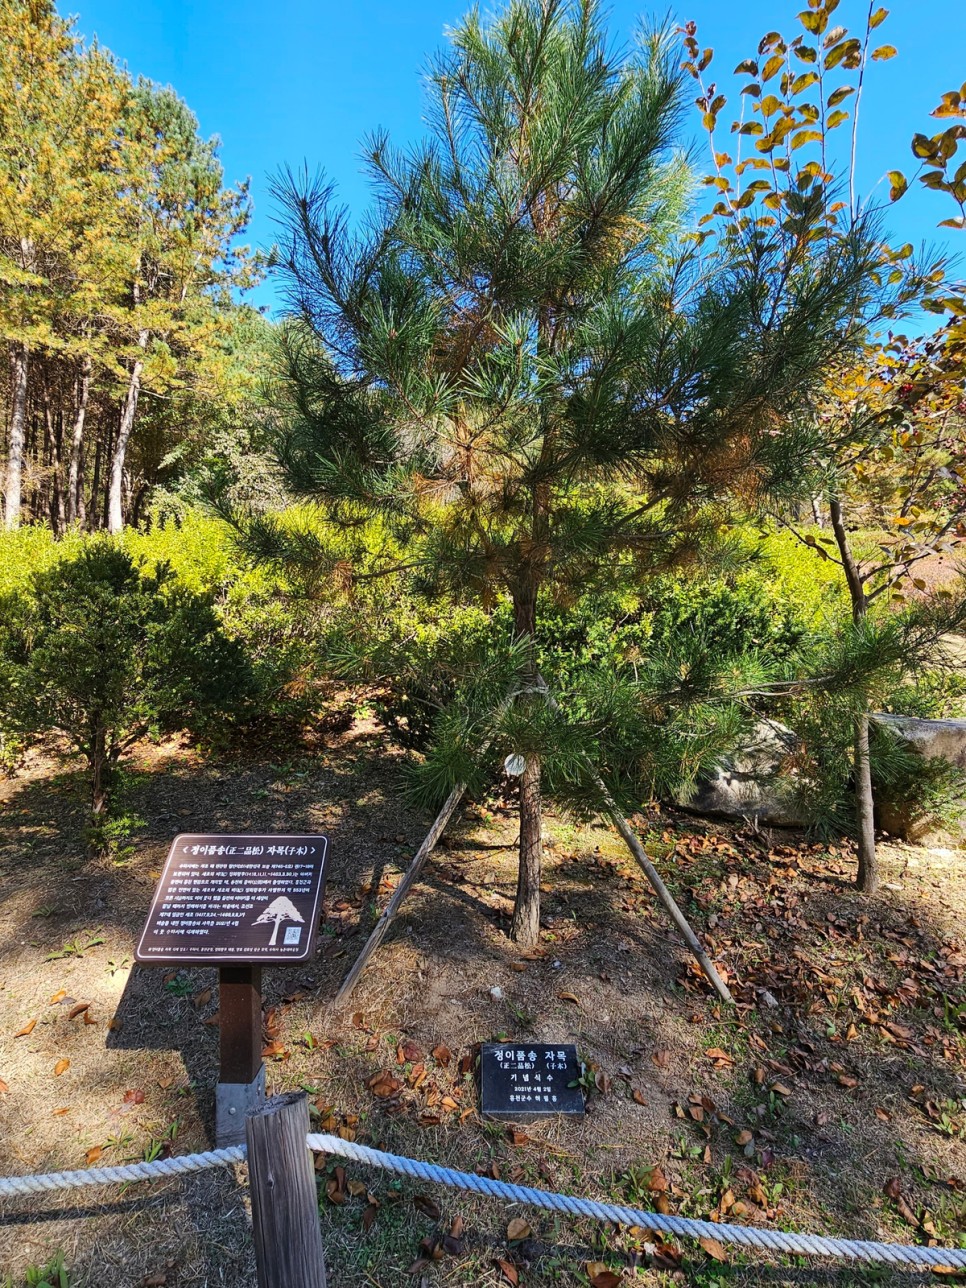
(882, 413)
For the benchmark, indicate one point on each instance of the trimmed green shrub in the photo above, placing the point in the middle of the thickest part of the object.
(103, 652)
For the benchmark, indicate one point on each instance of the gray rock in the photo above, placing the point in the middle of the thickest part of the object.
(755, 783)
(940, 739)
(933, 740)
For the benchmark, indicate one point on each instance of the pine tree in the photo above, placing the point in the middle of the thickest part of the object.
(39, 166)
(178, 223)
(521, 357)
(117, 265)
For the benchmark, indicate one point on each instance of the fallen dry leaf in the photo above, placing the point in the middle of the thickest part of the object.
(429, 1207)
(721, 1059)
(714, 1249)
(93, 1155)
(335, 1186)
(79, 1009)
(384, 1085)
(58, 997)
(62, 1065)
(508, 1270)
(27, 1029)
(518, 1229)
(601, 1276)
(4, 1087)
(569, 997)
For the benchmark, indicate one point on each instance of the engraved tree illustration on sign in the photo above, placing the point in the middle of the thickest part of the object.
(281, 909)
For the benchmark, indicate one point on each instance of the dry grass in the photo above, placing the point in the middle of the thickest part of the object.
(818, 1156)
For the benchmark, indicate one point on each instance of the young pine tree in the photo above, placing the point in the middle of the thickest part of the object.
(518, 355)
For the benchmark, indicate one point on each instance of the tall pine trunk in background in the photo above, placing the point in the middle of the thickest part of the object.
(75, 470)
(13, 485)
(525, 928)
(115, 501)
(867, 878)
(54, 436)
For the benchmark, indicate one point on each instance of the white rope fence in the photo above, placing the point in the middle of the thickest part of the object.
(743, 1236)
(161, 1169)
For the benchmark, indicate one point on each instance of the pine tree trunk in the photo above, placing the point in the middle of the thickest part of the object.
(115, 503)
(13, 485)
(93, 514)
(75, 472)
(525, 929)
(867, 877)
(53, 429)
(274, 938)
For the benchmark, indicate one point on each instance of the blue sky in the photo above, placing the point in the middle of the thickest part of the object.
(293, 82)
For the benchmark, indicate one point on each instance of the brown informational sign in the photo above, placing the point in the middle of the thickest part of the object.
(236, 900)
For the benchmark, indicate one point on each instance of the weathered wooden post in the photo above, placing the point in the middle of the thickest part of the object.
(285, 1208)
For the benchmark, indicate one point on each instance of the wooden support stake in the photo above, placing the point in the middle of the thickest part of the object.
(650, 871)
(285, 1209)
(399, 894)
(412, 873)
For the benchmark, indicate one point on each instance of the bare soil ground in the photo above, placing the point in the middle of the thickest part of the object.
(832, 1100)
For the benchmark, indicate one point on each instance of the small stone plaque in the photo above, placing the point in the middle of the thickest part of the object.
(236, 900)
(520, 1081)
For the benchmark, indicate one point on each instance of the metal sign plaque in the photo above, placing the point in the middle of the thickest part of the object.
(520, 1081)
(236, 900)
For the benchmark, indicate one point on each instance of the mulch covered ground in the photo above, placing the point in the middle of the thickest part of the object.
(831, 1099)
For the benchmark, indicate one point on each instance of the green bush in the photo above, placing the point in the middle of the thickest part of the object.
(102, 651)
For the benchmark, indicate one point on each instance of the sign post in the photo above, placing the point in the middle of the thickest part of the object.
(238, 903)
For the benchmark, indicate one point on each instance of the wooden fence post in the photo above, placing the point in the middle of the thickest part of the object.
(285, 1209)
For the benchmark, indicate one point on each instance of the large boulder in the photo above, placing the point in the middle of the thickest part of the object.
(939, 739)
(933, 740)
(755, 783)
